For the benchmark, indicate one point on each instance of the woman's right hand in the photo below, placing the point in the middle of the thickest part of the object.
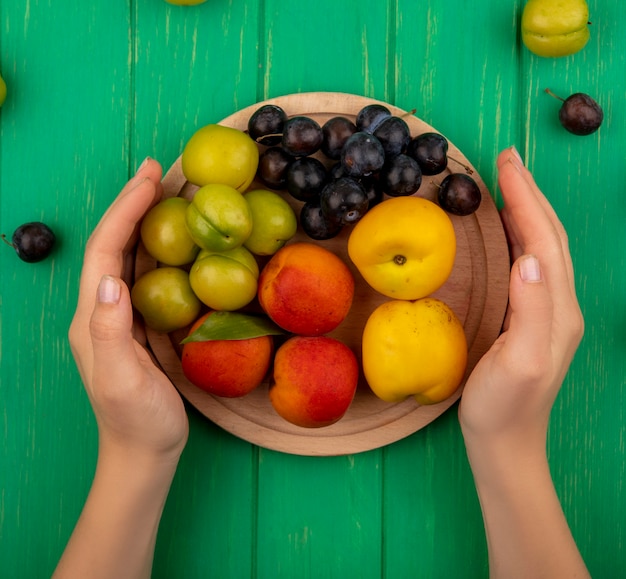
(136, 406)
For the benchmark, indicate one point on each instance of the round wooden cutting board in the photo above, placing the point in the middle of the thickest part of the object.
(477, 291)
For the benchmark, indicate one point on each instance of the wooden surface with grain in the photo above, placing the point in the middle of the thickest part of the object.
(95, 87)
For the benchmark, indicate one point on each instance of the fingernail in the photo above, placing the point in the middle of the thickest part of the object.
(109, 290)
(529, 269)
(516, 164)
(517, 155)
(143, 164)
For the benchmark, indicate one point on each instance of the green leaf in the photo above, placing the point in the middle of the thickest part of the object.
(233, 326)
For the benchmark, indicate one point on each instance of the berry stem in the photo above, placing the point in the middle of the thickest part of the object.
(4, 238)
(467, 168)
(260, 139)
(554, 95)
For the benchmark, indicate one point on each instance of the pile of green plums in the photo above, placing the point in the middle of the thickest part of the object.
(207, 250)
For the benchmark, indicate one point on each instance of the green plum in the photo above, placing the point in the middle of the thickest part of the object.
(164, 233)
(164, 298)
(225, 280)
(553, 28)
(219, 218)
(219, 154)
(273, 222)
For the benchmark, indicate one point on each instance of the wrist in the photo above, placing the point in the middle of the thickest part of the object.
(117, 529)
(142, 447)
(137, 462)
(506, 459)
(527, 533)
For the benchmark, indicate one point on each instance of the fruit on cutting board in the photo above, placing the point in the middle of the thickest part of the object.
(394, 135)
(404, 247)
(306, 289)
(228, 368)
(579, 114)
(400, 176)
(305, 178)
(430, 150)
(414, 349)
(554, 28)
(343, 201)
(273, 222)
(314, 380)
(225, 280)
(355, 164)
(336, 130)
(274, 163)
(370, 117)
(459, 194)
(164, 233)
(32, 241)
(219, 218)
(218, 154)
(266, 124)
(164, 298)
(362, 155)
(302, 136)
(315, 224)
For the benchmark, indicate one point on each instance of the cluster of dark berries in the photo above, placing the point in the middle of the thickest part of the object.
(369, 158)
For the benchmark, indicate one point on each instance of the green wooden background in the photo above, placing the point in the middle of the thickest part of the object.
(96, 86)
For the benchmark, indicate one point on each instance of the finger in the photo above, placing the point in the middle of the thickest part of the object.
(110, 329)
(128, 200)
(116, 232)
(534, 230)
(515, 247)
(512, 156)
(530, 323)
(149, 169)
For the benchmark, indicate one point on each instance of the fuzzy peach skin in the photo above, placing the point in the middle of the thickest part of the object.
(227, 368)
(314, 380)
(306, 289)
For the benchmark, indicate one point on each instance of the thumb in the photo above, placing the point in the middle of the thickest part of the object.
(531, 309)
(111, 322)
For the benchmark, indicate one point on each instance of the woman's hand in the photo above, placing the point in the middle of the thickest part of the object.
(507, 400)
(510, 393)
(135, 404)
(142, 424)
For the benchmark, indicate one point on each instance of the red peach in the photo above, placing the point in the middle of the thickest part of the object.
(228, 368)
(314, 380)
(306, 289)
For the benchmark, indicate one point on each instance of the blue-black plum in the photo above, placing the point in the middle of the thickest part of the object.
(32, 241)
